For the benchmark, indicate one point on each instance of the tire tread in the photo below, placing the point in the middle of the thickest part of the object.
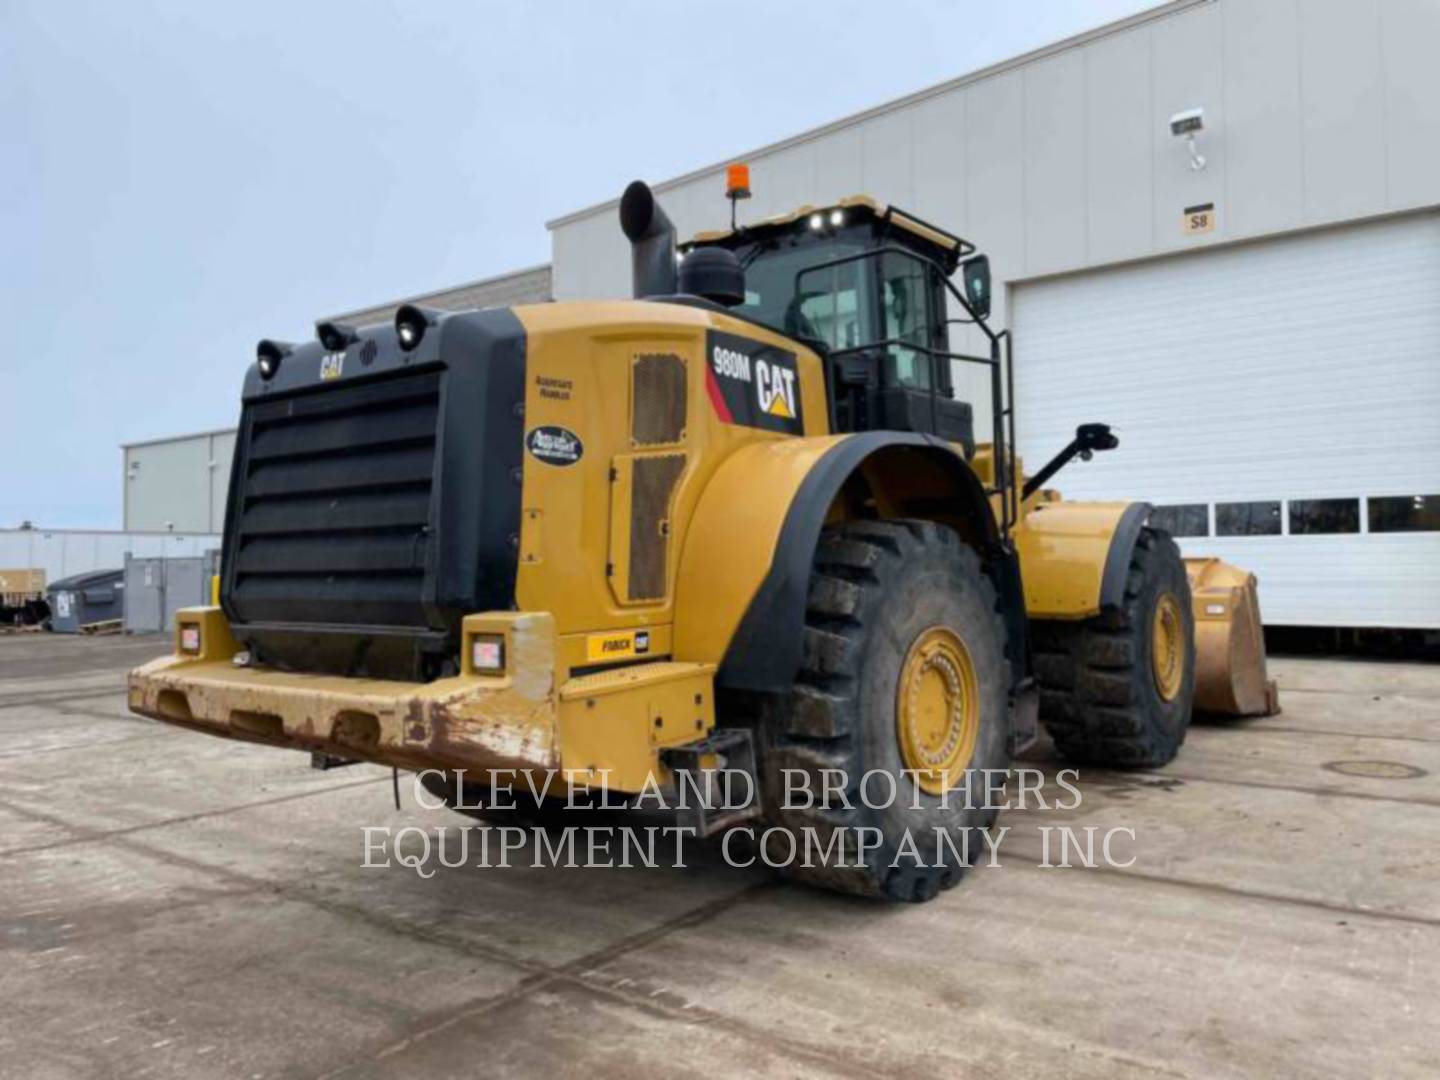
(1092, 674)
(818, 724)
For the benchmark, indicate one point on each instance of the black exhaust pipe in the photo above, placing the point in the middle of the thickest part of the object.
(652, 242)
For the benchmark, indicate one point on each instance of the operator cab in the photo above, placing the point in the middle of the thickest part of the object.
(865, 286)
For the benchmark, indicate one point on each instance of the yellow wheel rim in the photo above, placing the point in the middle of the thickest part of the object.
(1167, 651)
(937, 713)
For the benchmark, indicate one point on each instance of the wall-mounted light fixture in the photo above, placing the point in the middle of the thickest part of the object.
(1186, 125)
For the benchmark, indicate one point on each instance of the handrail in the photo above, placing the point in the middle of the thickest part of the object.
(1002, 394)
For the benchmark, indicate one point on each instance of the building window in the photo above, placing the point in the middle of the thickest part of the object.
(1316, 516)
(1405, 513)
(1247, 519)
(1189, 519)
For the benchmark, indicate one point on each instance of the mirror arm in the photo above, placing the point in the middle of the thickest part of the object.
(1088, 439)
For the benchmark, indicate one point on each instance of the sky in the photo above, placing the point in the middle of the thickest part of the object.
(179, 180)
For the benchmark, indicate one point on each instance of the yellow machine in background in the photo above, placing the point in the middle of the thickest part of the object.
(1230, 674)
(740, 521)
(22, 597)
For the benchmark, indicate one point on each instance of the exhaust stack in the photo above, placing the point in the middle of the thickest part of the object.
(652, 242)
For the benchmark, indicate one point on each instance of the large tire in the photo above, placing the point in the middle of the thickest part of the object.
(1104, 699)
(880, 591)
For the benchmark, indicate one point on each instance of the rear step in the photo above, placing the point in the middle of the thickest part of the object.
(711, 767)
(675, 703)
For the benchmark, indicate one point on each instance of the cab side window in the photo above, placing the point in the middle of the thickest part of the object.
(906, 295)
(830, 306)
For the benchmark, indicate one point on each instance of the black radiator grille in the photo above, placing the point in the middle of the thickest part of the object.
(334, 515)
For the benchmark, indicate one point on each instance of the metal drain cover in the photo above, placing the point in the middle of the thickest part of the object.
(1376, 770)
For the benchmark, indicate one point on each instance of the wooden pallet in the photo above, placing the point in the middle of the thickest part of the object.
(108, 626)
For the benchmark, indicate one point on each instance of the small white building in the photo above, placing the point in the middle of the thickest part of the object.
(61, 553)
(178, 485)
(1255, 305)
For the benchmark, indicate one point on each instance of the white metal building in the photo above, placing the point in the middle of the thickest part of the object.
(63, 552)
(178, 484)
(530, 285)
(1264, 331)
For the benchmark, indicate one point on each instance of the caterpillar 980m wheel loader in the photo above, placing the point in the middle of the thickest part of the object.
(741, 520)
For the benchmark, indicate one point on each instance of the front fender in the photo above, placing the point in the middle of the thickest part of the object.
(1074, 556)
(732, 540)
(745, 570)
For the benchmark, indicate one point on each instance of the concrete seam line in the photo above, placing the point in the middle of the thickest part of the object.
(123, 838)
(572, 974)
(17, 701)
(1265, 729)
(89, 836)
(694, 917)
(93, 744)
(120, 718)
(1299, 789)
(1346, 691)
(290, 893)
(1230, 890)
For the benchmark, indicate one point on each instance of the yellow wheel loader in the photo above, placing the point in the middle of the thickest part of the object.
(739, 525)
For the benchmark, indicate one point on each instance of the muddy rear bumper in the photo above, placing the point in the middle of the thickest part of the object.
(604, 728)
(470, 721)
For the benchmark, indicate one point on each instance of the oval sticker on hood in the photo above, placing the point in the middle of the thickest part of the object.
(554, 445)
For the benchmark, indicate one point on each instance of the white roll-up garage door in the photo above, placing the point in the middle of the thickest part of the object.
(1284, 393)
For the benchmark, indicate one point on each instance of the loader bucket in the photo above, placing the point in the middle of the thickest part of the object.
(1230, 675)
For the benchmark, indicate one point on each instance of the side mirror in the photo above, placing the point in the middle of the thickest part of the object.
(1092, 437)
(975, 272)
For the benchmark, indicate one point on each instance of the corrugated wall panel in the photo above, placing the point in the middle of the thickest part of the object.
(1187, 70)
(1056, 148)
(531, 286)
(1302, 367)
(63, 552)
(781, 181)
(1377, 580)
(887, 161)
(995, 176)
(222, 453)
(168, 485)
(1343, 112)
(1316, 112)
(1265, 154)
(1409, 31)
(839, 169)
(939, 157)
(1119, 185)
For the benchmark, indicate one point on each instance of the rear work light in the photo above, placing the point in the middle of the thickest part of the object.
(268, 355)
(411, 322)
(189, 638)
(487, 654)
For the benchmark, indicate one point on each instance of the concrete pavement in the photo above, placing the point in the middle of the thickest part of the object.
(177, 905)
